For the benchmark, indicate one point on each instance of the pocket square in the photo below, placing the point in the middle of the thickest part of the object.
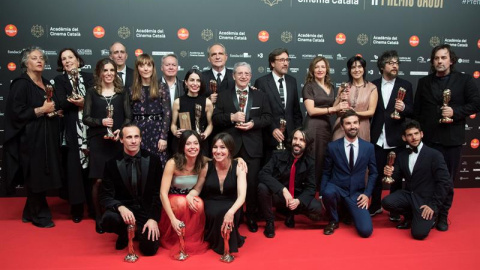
(255, 108)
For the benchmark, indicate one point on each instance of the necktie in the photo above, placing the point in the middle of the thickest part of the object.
(351, 161)
(291, 182)
(219, 79)
(281, 91)
(134, 176)
(242, 92)
(120, 75)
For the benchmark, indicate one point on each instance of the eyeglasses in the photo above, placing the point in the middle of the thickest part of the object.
(283, 60)
(391, 63)
(241, 74)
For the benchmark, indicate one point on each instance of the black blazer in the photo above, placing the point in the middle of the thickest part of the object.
(428, 101)
(115, 191)
(227, 82)
(178, 88)
(128, 78)
(393, 128)
(429, 179)
(257, 109)
(291, 113)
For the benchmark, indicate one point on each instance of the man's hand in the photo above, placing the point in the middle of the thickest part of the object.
(213, 97)
(447, 111)
(388, 170)
(288, 197)
(362, 201)
(238, 117)
(427, 212)
(245, 126)
(293, 204)
(399, 105)
(278, 135)
(77, 102)
(153, 232)
(126, 215)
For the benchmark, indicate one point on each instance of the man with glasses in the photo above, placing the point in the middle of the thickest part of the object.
(282, 93)
(243, 112)
(385, 130)
(119, 55)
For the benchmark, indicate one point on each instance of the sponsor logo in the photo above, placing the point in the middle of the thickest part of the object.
(457, 42)
(405, 59)
(207, 34)
(410, 3)
(472, 116)
(196, 54)
(84, 51)
(418, 73)
(286, 36)
(477, 178)
(344, 72)
(138, 52)
(308, 37)
(421, 60)
(271, 2)
(463, 61)
(476, 170)
(478, 43)
(232, 35)
(341, 58)
(477, 62)
(98, 32)
(414, 41)
(183, 33)
(463, 178)
(467, 128)
(183, 53)
(150, 33)
(362, 39)
(87, 67)
(474, 143)
(105, 52)
(332, 71)
(50, 52)
(263, 36)
(476, 74)
(161, 53)
(260, 55)
(261, 69)
(14, 51)
(434, 41)
(464, 170)
(11, 66)
(340, 38)
(37, 31)
(11, 30)
(239, 55)
(464, 163)
(123, 32)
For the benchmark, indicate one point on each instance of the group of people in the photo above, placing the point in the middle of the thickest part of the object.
(180, 158)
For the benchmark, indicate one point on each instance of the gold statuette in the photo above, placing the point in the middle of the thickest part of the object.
(390, 161)
(109, 135)
(75, 85)
(447, 95)
(283, 125)
(400, 96)
(48, 96)
(198, 114)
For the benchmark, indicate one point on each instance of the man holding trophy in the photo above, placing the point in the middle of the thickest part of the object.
(442, 113)
(243, 113)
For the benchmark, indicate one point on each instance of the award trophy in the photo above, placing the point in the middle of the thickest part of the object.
(49, 95)
(182, 255)
(390, 161)
(283, 125)
(447, 95)
(198, 114)
(344, 87)
(109, 135)
(400, 96)
(74, 78)
(242, 100)
(213, 87)
(226, 257)
(131, 256)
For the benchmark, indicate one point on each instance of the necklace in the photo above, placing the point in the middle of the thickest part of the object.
(108, 99)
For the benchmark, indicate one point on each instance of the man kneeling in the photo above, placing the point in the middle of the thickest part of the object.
(289, 180)
(130, 193)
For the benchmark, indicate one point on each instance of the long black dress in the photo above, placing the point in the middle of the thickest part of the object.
(216, 204)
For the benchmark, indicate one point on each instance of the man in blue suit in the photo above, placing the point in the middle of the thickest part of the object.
(343, 181)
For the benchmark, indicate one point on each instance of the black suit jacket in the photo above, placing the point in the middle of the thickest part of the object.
(276, 175)
(393, 128)
(464, 102)
(128, 78)
(227, 82)
(291, 113)
(429, 179)
(257, 109)
(178, 88)
(115, 191)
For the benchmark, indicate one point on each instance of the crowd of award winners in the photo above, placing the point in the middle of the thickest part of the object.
(181, 163)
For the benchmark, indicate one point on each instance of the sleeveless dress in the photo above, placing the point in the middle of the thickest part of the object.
(217, 204)
(194, 222)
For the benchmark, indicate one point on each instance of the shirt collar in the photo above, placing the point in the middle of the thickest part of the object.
(276, 78)
(346, 143)
(384, 81)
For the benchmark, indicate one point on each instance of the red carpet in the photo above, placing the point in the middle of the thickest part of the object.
(77, 246)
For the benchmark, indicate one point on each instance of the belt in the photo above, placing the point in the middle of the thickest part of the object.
(148, 117)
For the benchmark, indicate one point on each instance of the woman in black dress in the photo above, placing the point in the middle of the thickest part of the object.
(223, 192)
(73, 80)
(108, 90)
(194, 89)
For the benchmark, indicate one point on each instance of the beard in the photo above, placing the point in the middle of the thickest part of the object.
(298, 151)
(352, 133)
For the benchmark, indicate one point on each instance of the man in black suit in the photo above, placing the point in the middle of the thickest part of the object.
(119, 55)
(245, 125)
(217, 56)
(426, 183)
(282, 93)
(289, 180)
(385, 131)
(428, 110)
(130, 193)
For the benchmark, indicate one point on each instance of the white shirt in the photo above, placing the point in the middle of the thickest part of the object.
(346, 145)
(387, 88)
(124, 74)
(222, 73)
(172, 89)
(412, 158)
(284, 84)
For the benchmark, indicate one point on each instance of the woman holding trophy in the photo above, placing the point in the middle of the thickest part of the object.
(150, 100)
(106, 109)
(71, 88)
(31, 145)
(193, 111)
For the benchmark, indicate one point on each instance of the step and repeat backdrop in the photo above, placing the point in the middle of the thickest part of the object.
(250, 29)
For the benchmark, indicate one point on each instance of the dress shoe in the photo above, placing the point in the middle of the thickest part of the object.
(332, 225)
(375, 212)
(77, 219)
(394, 217)
(269, 231)
(49, 224)
(290, 221)
(406, 224)
(26, 220)
(252, 225)
(98, 226)
(314, 216)
(442, 223)
(122, 242)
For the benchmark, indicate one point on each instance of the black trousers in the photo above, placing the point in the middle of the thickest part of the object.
(112, 222)
(36, 209)
(408, 204)
(381, 159)
(254, 166)
(266, 200)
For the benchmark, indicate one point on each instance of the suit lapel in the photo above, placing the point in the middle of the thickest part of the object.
(273, 88)
(249, 104)
(419, 158)
(343, 155)
(405, 164)
(122, 169)
(145, 161)
(393, 96)
(235, 99)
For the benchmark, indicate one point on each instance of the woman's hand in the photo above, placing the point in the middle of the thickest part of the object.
(192, 202)
(227, 221)
(176, 226)
(117, 134)
(107, 122)
(162, 145)
(242, 164)
(179, 132)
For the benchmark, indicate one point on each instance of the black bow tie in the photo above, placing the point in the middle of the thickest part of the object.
(240, 92)
(412, 149)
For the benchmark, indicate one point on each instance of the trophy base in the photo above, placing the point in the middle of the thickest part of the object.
(388, 180)
(131, 258)
(181, 256)
(445, 120)
(227, 258)
(395, 116)
(280, 146)
(109, 137)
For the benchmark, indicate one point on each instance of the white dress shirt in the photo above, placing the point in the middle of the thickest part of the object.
(284, 84)
(387, 88)
(346, 145)
(412, 158)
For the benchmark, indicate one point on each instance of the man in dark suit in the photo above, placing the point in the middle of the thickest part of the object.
(245, 125)
(130, 193)
(385, 131)
(119, 55)
(217, 57)
(289, 180)
(343, 181)
(426, 183)
(428, 110)
(282, 93)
